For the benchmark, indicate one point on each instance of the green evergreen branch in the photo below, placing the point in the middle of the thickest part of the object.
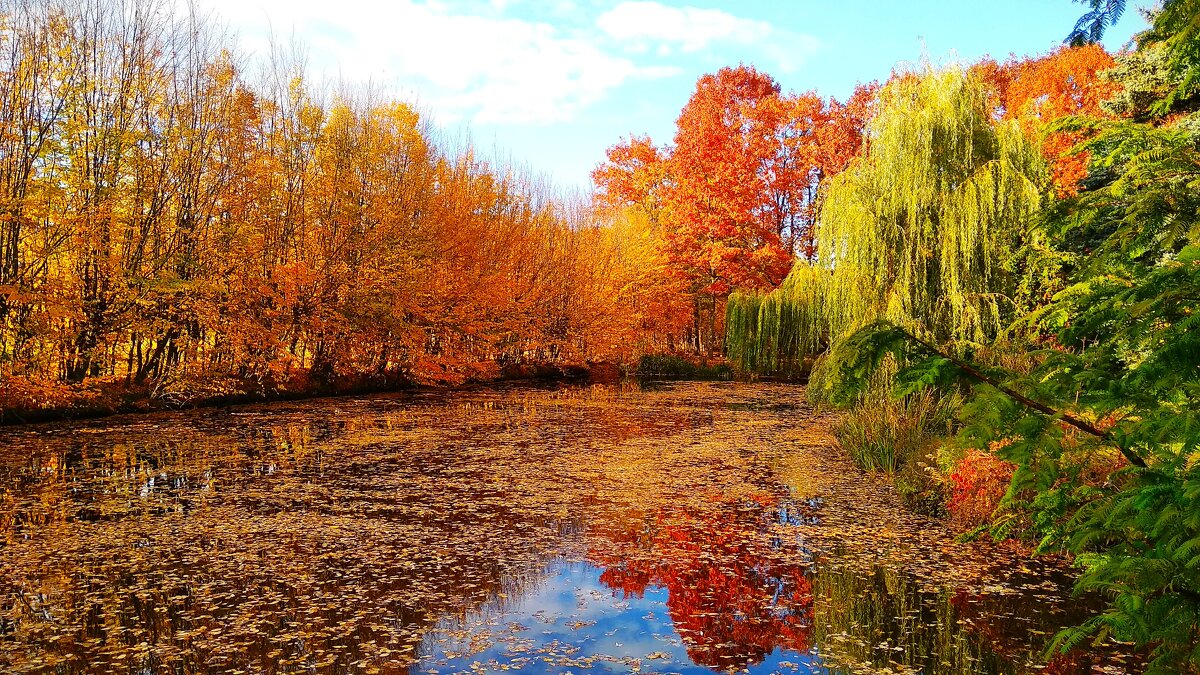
(976, 374)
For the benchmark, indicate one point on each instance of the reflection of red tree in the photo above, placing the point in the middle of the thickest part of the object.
(733, 598)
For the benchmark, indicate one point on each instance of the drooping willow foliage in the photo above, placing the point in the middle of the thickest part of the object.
(776, 332)
(926, 229)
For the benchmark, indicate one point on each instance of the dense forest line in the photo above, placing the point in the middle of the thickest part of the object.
(180, 224)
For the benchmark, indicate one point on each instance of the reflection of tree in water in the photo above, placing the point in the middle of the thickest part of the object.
(1006, 622)
(739, 590)
(735, 594)
(882, 618)
(885, 617)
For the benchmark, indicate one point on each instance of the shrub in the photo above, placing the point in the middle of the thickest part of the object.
(663, 365)
(978, 483)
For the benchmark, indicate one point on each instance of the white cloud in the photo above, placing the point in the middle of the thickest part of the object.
(504, 61)
(693, 29)
(639, 24)
(487, 69)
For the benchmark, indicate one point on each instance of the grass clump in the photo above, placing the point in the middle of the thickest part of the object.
(885, 433)
(897, 435)
(668, 365)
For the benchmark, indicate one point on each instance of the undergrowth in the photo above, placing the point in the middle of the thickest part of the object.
(666, 365)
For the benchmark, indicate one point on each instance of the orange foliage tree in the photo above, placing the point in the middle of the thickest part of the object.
(735, 198)
(1037, 91)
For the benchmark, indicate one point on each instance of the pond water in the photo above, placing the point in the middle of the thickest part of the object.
(668, 528)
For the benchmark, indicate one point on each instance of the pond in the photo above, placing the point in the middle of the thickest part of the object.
(668, 528)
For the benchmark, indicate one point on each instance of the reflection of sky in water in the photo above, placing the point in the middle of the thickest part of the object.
(572, 622)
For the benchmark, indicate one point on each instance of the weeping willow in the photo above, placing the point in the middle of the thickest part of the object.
(777, 332)
(927, 229)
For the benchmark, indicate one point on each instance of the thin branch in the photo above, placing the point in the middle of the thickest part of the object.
(1066, 417)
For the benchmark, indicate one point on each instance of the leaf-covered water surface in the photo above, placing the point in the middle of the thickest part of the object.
(680, 528)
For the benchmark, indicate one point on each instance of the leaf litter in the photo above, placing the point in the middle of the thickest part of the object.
(674, 528)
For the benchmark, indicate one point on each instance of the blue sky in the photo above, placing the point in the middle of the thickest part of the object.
(549, 84)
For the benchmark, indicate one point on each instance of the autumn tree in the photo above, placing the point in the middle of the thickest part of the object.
(819, 139)
(632, 176)
(1038, 91)
(723, 233)
(737, 195)
(32, 99)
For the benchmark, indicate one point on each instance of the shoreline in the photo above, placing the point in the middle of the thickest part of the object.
(124, 399)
